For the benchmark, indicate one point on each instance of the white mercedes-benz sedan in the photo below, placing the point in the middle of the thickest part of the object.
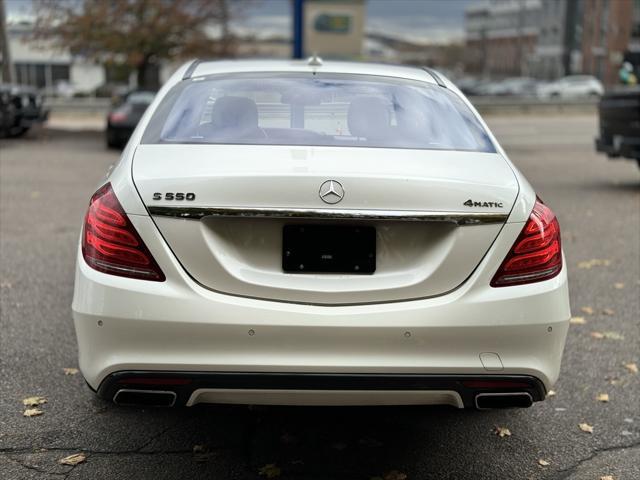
(284, 232)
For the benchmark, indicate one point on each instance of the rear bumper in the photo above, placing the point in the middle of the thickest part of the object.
(619, 146)
(126, 326)
(191, 388)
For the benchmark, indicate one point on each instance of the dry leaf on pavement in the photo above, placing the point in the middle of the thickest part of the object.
(594, 262)
(544, 463)
(502, 431)
(613, 336)
(603, 397)
(201, 453)
(70, 371)
(632, 367)
(577, 321)
(587, 310)
(33, 401)
(73, 459)
(608, 311)
(618, 285)
(270, 470)
(32, 412)
(585, 427)
(607, 477)
(608, 335)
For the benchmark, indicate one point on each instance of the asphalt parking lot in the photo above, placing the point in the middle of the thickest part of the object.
(46, 180)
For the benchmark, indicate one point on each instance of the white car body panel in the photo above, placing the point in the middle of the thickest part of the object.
(252, 318)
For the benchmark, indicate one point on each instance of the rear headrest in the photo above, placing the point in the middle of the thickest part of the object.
(369, 118)
(238, 113)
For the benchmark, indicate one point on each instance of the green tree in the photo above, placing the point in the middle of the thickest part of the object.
(137, 33)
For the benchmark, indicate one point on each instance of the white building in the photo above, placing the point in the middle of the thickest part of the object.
(49, 68)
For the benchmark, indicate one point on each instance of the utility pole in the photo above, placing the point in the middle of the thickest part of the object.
(7, 64)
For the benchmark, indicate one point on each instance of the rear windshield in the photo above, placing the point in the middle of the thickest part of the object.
(321, 109)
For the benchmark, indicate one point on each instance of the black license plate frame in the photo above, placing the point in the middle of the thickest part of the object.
(331, 249)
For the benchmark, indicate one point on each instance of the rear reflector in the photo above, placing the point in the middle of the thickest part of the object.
(110, 243)
(536, 255)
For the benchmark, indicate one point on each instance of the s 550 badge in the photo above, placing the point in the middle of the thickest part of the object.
(179, 196)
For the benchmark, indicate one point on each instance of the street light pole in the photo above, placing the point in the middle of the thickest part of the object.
(298, 36)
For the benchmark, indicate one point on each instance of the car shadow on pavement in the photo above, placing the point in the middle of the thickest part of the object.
(312, 442)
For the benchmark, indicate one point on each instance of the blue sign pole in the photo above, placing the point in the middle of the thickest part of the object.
(298, 16)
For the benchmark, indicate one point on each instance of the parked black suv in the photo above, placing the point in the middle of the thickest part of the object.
(619, 112)
(20, 108)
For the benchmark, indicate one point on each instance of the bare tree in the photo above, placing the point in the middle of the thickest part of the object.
(136, 32)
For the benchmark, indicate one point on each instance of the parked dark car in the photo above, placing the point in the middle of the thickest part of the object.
(619, 112)
(125, 115)
(7, 113)
(20, 108)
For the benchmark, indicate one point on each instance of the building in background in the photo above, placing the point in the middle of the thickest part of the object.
(548, 39)
(558, 50)
(48, 68)
(607, 36)
(501, 36)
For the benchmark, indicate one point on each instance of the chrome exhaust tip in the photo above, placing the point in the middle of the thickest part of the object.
(485, 401)
(144, 398)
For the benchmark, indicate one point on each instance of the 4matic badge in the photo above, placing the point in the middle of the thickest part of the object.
(471, 203)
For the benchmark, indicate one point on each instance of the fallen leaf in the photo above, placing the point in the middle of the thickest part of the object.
(607, 477)
(73, 460)
(70, 371)
(502, 431)
(32, 412)
(594, 262)
(612, 380)
(613, 336)
(618, 285)
(608, 335)
(201, 453)
(544, 463)
(577, 321)
(608, 311)
(33, 401)
(587, 310)
(632, 367)
(585, 427)
(5, 284)
(394, 475)
(551, 393)
(602, 397)
(270, 470)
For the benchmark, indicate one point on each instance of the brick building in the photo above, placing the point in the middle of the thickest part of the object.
(606, 36)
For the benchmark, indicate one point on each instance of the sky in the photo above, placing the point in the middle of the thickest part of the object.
(420, 21)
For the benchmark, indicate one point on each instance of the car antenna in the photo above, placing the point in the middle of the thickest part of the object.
(314, 60)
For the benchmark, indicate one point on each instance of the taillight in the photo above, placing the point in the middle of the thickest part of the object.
(111, 244)
(120, 115)
(536, 255)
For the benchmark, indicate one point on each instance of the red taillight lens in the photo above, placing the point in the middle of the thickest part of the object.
(111, 244)
(537, 253)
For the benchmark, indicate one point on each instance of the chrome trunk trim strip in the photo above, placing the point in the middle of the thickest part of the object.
(458, 218)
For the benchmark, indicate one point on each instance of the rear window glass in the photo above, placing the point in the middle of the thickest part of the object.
(321, 109)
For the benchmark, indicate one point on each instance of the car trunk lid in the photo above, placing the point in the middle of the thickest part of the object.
(223, 209)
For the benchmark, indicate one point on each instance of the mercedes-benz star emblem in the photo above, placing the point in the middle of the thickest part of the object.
(331, 191)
